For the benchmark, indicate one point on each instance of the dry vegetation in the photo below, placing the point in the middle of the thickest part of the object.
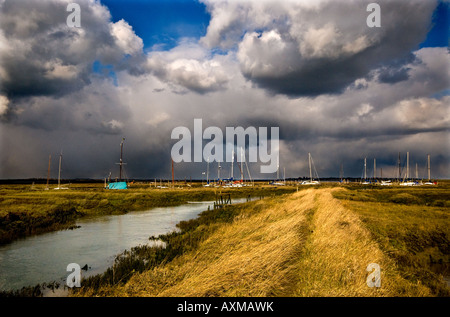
(26, 210)
(303, 244)
(313, 242)
(411, 226)
(338, 253)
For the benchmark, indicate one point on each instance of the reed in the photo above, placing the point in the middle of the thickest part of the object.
(411, 226)
(311, 242)
(308, 243)
(25, 211)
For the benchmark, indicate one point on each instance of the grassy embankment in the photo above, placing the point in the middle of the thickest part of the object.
(26, 210)
(304, 244)
(411, 226)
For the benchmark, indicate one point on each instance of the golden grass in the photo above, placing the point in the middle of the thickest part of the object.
(303, 244)
(338, 253)
(25, 212)
(249, 257)
(414, 235)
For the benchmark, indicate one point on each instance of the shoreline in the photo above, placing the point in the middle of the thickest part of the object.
(371, 210)
(303, 244)
(25, 212)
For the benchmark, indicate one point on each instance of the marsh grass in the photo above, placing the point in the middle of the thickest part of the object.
(142, 258)
(241, 250)
(302, 244)
(314, 242)
(25, 211)
(338, 253)
(411, 226)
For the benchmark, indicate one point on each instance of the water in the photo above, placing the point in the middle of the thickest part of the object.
(44, 258)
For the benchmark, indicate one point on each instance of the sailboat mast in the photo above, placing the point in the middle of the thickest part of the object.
(242, 167)
(232, 161)
(365, 168)
(399, 167)
(218, 171)
(59, 170)
(121, 162)
(173, 177)
(407, 165)
(248, 172)
(374, 168)
(278, 169)
(310, 171)
(48, 171)
(207, 171)
(429, 168)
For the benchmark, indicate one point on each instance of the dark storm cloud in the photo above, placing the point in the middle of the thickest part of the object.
(314, 78)
(97, 109)
(367, 92)
(45, 57)
(309, 49)
(392, 75)
(396, 70)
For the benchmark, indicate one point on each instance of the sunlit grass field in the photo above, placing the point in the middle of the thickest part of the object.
(315, 242)
(294, 241)
(411, 226)
(30, 209)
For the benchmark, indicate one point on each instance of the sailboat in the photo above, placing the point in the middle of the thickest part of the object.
(278, 182)
(59, 173)
(48, 170)
(207, 174)
(365, 182)
(406, 181)
(241, 171)
(429, 172)
(231, 182)
(119, 184)
(384, 182)
(311, 181)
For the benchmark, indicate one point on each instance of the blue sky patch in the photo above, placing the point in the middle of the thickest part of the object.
(438, 35)
(161, 24)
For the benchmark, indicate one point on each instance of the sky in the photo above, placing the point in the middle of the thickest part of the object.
(335, 87)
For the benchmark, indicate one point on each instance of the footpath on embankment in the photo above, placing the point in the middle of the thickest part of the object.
(301, 244)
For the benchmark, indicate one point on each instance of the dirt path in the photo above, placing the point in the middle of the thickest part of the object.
(303, 244)
(337, 255)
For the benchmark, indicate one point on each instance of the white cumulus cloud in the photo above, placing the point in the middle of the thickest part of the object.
(125, 38)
